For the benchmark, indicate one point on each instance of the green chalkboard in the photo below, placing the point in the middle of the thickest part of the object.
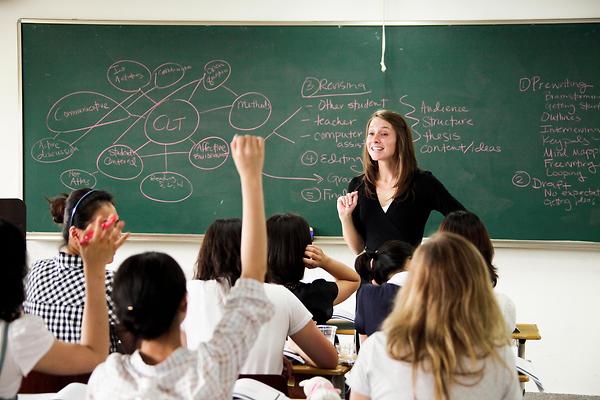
(506, 116)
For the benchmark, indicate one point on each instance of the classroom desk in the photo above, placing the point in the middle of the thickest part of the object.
(302, 372)
(526, 332)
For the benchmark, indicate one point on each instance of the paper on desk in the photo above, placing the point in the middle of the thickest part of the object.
(340, 313)
(526, 367)
(250, 389)
(294, 357)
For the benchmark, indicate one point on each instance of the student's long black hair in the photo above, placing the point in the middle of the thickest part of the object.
(219, 257)
(288, 235)
(379, 265)
(469, 226)
(147, 291)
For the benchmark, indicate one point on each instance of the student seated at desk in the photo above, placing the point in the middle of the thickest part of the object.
(382, 274)
(55, 286)
(445, 338)
(469, 226)
(25, 343)
(291, 251)
(150, 299)
(217, 270)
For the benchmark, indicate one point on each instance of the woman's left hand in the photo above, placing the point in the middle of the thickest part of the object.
(314, 256)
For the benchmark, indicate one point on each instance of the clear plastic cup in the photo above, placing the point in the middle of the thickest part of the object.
(346, 349)
(328, 331)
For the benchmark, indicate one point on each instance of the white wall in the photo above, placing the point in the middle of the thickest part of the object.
(555, 289)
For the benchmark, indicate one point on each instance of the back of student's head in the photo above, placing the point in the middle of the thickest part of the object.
(389, 258)
(13, 271)
(78, 208)
(469, 226)
(147, 291)
(362, 265)
(219, 256)
(446, 312)
(288, 235)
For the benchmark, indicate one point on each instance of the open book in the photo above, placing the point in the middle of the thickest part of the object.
(294, 357)
(340, 313)
(250, 389)
(526, 367)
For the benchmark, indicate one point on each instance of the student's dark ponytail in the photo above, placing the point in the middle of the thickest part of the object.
(388, 259)
(57, 207)
(147, 291)
(362, 265)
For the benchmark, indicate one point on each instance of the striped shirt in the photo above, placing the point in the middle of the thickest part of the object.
(56, 292)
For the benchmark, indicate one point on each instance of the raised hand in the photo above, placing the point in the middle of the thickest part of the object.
(314, 257)
(346, 204)
(100, 241)
(248, 154)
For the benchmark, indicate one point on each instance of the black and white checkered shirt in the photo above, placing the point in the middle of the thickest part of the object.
(56, 292)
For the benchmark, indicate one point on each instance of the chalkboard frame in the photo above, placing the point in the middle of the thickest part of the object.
(328, 240)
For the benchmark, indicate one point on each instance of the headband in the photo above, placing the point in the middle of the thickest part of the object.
(74, 210)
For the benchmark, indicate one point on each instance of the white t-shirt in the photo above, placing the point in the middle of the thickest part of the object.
(380, 377)
(205, 304)
(508, 309)
(28, 341)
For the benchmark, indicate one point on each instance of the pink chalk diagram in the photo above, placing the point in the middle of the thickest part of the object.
(158, 116)
(168, 120)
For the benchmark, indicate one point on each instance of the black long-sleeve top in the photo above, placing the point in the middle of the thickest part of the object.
(406, 216)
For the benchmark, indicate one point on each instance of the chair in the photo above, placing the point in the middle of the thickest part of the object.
(38, 382)
(277, 382)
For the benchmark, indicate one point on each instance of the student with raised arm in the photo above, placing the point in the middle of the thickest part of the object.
(55, 287)
(445, 338)
(217, 269)
(150, 299)
(393, 198)
(291, 251)
(25, 342)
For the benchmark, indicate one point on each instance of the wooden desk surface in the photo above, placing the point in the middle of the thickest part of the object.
(527, 332)
(308, 370)
(344, 327)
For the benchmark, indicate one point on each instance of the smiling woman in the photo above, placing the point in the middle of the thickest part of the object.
(393, 198)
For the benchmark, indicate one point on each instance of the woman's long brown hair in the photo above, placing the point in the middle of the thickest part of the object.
(404, 156)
